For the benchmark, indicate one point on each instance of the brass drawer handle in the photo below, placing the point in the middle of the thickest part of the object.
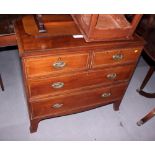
(111, 76)
(57, 85)
(117, 57)
(59, 64)
(57, 105)
(136, 51)
(105, 95)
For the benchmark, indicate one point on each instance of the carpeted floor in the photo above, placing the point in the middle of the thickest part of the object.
(99, 124)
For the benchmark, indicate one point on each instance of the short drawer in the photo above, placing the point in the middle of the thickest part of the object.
(83, 100)
(40, 66)
(59, 84)
(114, 57)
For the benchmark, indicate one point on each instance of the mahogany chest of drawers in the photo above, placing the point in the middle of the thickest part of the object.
(65, 75)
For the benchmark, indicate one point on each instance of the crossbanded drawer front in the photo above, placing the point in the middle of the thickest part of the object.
(67, 104)
(115, 57)
(40, 66)
(55, 85)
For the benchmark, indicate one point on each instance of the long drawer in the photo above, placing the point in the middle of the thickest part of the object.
(115, 57)
(46, 65)
(66, 104)
(58, 84)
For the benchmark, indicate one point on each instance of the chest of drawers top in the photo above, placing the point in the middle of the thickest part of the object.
(30, 45)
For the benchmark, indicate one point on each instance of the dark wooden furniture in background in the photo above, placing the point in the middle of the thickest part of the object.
(147, 30)
(7, 34)
(103, 27)
(64, 75)
(1, 83)
(8, 40)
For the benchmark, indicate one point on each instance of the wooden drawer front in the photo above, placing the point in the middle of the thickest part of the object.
(114, 57)
(55, 64)
(67, 104)
(76, 81)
